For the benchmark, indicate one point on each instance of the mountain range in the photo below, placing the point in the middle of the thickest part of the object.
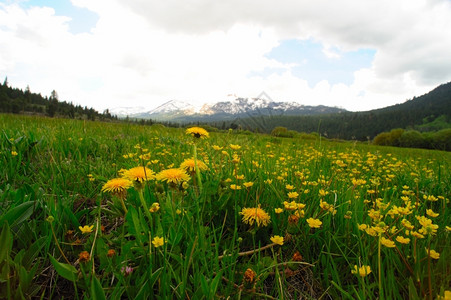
(234, 107)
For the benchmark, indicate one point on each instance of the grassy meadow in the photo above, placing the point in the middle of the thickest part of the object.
(92, 210)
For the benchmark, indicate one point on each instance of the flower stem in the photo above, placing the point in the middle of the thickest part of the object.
(379, 267)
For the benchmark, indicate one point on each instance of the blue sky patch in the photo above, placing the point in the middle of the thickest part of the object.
(83, 20)
(313, 65)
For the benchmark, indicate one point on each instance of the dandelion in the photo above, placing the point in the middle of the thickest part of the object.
(362, 271)
(117, 186)
(277, 239)
(86, 229)
(173, 176)
(197, 132)
(189, 165)
(138, 174)
(158, 242)
(84, 256)
(314, 223)
(387, 243)
(255, 214)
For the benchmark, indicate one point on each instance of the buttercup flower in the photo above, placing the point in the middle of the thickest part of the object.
(249, 275)
(277, 239)
(362, 271)
(387, 243)
(158, 242)
(432, 253)
(111, 253)
(314, 223)
(253, 215)
(86, 229)
(402, 240)
(155, 207)
(197, 132)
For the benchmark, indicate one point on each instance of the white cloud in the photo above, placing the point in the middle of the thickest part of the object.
(143, 53)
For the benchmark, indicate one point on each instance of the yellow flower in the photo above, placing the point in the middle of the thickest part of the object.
(138, 174)
(402, 240)
(289, 187)
(197, 132)
(86, 229)
(292, 195)
(14, 153)
(387, 243)
(189, 166)
(362, 271)
(173, 176)
(446, 296)
(217, 148)
(255, 214)
(158, 241)
(362, 226)
(431, 213)
(117, 186)
(277, 240)
(235, 147)
(448, 228)
(432, 253)
(278, 210)
(248, 184)
(235, 187)
(314, 223)
(155, 207)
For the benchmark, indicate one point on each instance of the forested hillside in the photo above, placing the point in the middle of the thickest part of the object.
(17, 101)
(431, 111)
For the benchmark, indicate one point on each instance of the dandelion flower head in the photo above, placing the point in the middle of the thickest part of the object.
(257, 215)
(197, 132)
(117, 186)
(138, 174)
(173, 176)
(190, 166)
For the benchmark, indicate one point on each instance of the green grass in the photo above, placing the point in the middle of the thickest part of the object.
(56, 168)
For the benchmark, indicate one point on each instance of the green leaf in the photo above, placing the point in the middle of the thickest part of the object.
(214, 284)
(18, 214)
(67, 271)
(6, 242)
(97, 292)
(412, 290)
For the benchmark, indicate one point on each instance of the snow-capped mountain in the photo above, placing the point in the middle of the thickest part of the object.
(234, 107)
(126, 111)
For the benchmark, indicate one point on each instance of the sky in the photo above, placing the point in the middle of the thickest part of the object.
(354, 54)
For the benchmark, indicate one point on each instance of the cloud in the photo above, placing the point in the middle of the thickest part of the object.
(143, 53)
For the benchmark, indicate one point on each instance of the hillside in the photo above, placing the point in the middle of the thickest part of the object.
(416, 113)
